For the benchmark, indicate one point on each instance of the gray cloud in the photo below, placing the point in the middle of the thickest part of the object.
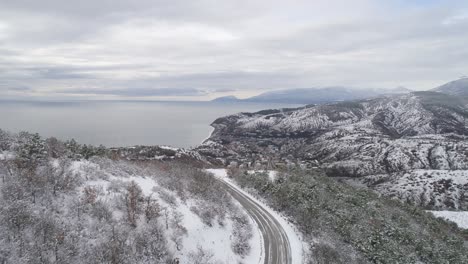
(6, 87)
(55, 73)
(220, 47)
(19, 89)
(227, 81)
(136, 92)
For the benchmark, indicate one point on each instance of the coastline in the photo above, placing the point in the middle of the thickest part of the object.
(211, 133)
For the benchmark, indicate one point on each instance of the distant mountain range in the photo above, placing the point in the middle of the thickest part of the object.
(229, 98)
(458, 87)
(315, 95)
(337, 94)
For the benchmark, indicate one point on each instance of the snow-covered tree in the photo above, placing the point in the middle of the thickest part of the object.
(31, 151)
(5, 140)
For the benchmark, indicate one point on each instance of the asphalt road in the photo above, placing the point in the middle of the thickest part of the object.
(275, 240)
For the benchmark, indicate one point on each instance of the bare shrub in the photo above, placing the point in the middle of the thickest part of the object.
(201, 256)
(178, 229)
(167, 197)
(90, 195)
(101, 211)
(242, 233)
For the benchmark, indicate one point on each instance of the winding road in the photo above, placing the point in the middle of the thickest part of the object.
(277, 248)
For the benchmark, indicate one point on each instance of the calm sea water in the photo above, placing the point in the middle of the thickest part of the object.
(178, 124)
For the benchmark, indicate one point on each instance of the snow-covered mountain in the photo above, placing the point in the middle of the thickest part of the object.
(457, 87)
(315, 95)
(376, 141)
(229, 98)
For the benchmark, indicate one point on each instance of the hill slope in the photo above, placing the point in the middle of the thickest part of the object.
(61, 204)
(377, 141)
(457, 88)
(351, 225)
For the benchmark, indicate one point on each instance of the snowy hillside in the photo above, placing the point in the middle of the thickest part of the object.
(460, 218)
(458, 87)
(369, 138)
(197, 226)
(435, 189)
(58, 207)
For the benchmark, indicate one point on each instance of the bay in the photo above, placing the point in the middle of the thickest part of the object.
(122, 123)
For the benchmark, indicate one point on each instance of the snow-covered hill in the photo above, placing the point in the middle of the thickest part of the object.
(58, 207)
(458, 87)
(386, 136)
(195, 227)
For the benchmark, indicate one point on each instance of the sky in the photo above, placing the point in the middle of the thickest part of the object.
(202, 49)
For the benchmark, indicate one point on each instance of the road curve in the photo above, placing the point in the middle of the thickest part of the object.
(275, 240)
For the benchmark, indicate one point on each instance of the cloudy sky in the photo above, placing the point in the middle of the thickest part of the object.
(196, 50)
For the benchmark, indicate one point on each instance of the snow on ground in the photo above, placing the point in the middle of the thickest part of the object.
(298, 248)
(441, 188)
(6, 155)
(215, 240)
(460, 217)
(169, 148)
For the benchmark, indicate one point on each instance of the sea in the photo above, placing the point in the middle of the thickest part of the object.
(122, 123)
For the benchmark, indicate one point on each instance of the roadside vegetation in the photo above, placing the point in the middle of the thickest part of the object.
(345, 224)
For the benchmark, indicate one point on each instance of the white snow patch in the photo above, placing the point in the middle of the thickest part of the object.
(458, 217)
(146, 184)
(169, 148)
(215, 239)
(423, 186)
(7, 155)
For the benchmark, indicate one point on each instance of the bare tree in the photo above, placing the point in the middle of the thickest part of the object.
(178, 229)
(166, 217)
(61, 178)
(132, 201)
